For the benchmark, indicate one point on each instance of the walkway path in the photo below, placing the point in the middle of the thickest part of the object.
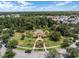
(38, 48)
(42, 40)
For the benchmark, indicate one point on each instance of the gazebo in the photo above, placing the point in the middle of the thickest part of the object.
(39, 33)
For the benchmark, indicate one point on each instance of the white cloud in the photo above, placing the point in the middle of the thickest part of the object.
(63, 3)
(21, 6)
(24, 3)
(25, 6)
(5, 5)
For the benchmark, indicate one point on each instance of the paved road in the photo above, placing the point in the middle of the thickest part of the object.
(33, 54)
(2, 50)
(63, 52)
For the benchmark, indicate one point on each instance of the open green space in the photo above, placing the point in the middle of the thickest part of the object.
(28, 42)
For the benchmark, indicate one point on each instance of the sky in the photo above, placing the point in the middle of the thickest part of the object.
(39, 6)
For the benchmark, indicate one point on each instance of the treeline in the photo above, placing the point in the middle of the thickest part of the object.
(44, 13)
(25, 23)
(51, 13)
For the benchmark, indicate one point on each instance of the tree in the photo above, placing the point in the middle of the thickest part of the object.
(0, 31)
(20, 29)
(63, 29)
(53, 54)
(66, 43)
(11, 32)
(73, 52)
(12, 44)
(5, 38)
(55, 36)
(51, 22)
(6, 33)
(22, 37)
(53, 27)
(9, 54)
(75, 31)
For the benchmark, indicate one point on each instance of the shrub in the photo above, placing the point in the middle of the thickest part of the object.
(22, 37)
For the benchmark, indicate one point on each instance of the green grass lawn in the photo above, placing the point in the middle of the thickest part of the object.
(27, 42)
